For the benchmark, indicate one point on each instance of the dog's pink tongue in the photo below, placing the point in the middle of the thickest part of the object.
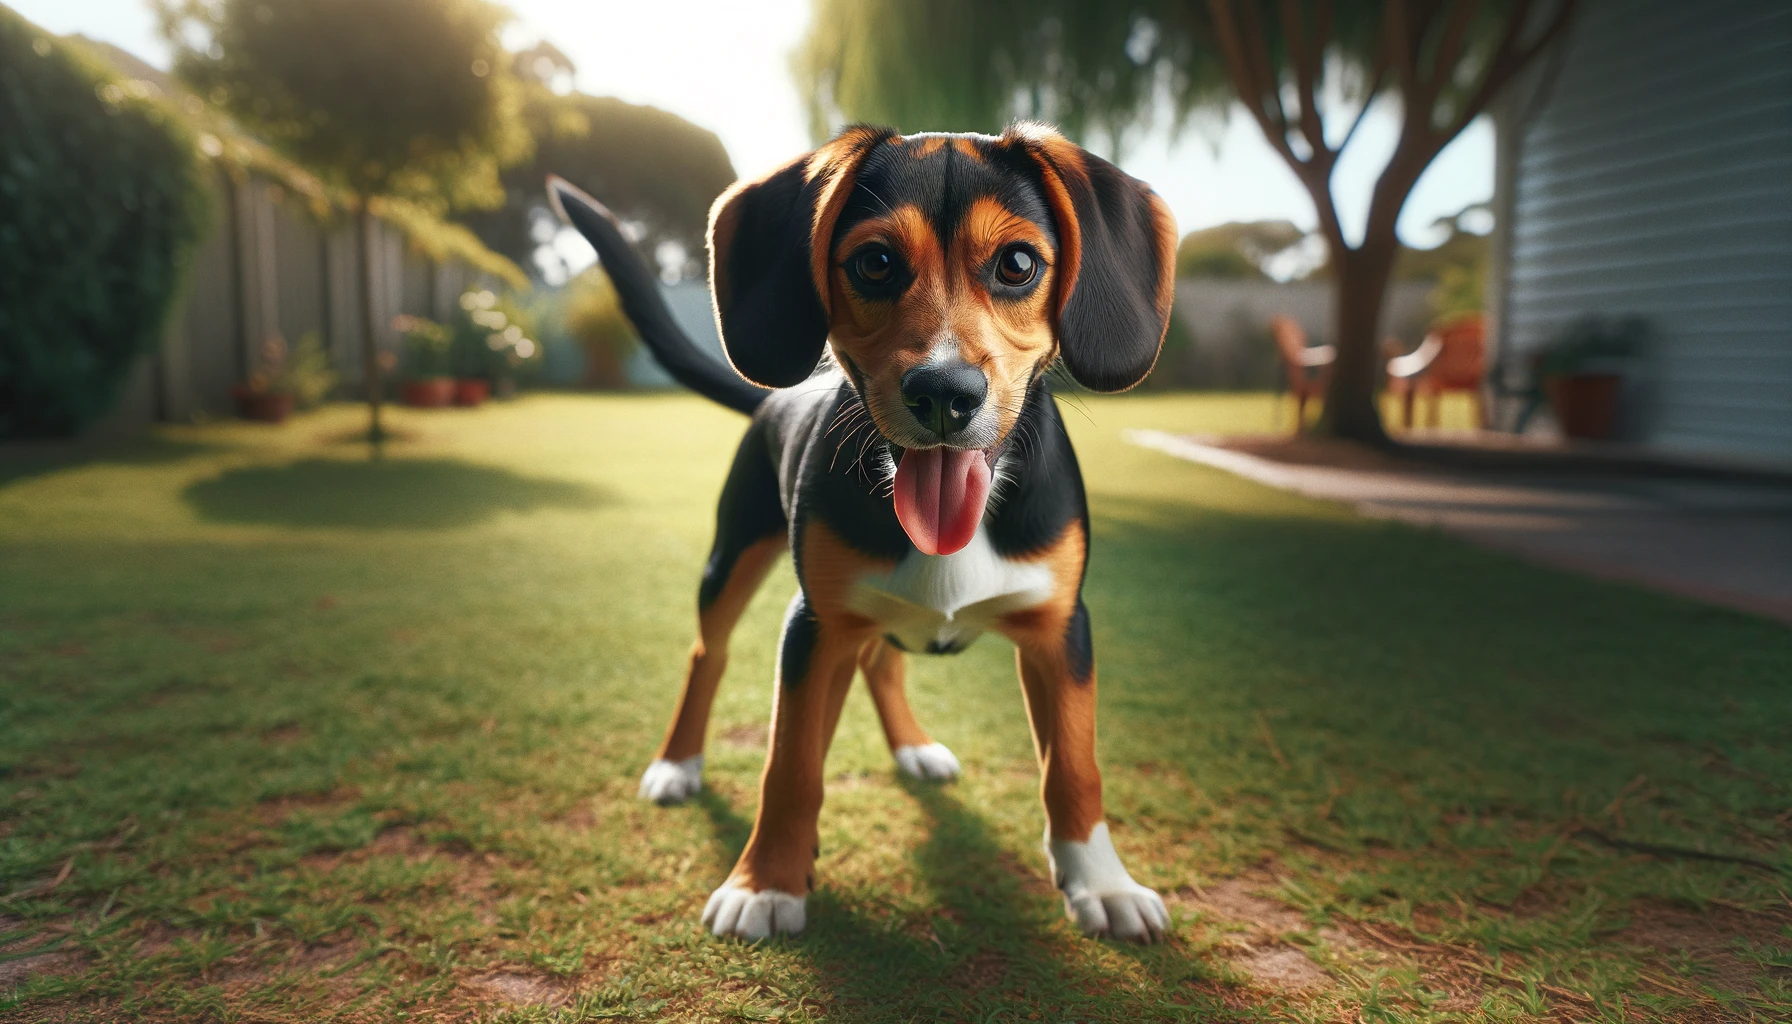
(940, 494)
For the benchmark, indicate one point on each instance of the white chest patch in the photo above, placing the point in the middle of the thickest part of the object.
(943, 602)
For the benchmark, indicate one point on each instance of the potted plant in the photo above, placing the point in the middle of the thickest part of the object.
(429, 382)
(287, 379)
(1582, 372)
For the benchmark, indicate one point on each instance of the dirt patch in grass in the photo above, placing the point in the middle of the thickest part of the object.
(14, 972)
(1712, 937)
(981, 972)
(518, 989)
(1236, 900)
(747, 737)
(1282, 969)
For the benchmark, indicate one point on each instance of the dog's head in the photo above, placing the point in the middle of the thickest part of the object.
(946, 272)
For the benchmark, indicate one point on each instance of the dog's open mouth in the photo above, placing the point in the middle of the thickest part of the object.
(940, 495)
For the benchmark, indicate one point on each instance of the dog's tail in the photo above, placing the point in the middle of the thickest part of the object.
(640, 295)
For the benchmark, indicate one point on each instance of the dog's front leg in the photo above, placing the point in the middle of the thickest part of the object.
(1058, 681)
(767, 891)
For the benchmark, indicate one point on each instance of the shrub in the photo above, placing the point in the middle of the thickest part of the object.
(494, 338)
(104, 199)
(595, 318)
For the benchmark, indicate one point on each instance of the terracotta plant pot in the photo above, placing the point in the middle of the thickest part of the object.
(1586, 404)
(429, 392)
(471, 390)
(261, 406)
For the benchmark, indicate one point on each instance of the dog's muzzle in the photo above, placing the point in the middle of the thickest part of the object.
(944, 396)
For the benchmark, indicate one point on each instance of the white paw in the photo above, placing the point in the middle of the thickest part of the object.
(750, 915)
(671, 782)
(932, 762)
(1098, 893)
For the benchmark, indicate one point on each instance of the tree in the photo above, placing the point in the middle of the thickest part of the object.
(400, 99)
(1236, 251)
(1305, 70)
(653, 168)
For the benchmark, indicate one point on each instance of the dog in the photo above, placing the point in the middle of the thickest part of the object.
(918, 473)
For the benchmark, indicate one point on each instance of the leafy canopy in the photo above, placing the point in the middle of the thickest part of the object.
(974, 65)
(409, 98)
(651, 167)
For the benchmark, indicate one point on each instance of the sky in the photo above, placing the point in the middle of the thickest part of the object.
(724, 65)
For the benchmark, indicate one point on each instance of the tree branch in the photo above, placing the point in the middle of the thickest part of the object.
(1508, 60)
(1257, 48)
(1375, 78)
(1449, 50)
(1242, 71)
(1309, 64)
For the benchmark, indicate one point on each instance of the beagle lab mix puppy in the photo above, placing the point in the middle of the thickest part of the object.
(891, 305)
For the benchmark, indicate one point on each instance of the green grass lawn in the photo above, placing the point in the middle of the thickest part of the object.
(292, 733)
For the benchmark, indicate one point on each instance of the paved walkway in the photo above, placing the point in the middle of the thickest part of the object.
(1722, 542)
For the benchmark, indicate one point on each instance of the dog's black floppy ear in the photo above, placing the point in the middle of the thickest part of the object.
(768, 259)
(1116, 261)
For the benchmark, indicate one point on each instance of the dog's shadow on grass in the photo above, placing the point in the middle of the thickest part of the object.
(993, 945)
(415, 494)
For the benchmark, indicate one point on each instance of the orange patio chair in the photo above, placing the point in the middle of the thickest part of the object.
(1452, 357)
(1308, 367)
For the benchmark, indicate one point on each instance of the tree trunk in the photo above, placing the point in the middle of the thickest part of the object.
(370, 348)
(1359, 288)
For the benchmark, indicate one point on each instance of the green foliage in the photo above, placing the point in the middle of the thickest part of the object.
(328, 737)
(493, 337)
(1235, 250)
(949, 65)
(649, 166)
(408, 98)
(443, 241)
(1593, 344)
(302, 371)
(594, 318)
(102, 198)
(426, 347)
(1460, 292)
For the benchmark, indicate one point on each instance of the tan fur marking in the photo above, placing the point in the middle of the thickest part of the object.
(1058, 159)
(1008, 340)
(884, 667)
(1060, 707)
(709, 655)
(924, 148)
(781, 851)
(836, 165)
(1163, 229)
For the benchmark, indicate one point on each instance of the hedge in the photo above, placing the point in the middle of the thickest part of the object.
(102, 199)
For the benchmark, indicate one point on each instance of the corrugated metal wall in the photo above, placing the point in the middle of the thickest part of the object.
(1656, 179)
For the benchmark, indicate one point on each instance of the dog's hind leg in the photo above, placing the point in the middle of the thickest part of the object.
(916, 755)
(750, 535)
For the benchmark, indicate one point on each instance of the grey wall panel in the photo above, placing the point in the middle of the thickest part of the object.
(1656, 179)
(1225, 340)
(299, 277)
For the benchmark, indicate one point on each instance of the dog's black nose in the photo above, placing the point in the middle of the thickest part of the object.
(944, 396)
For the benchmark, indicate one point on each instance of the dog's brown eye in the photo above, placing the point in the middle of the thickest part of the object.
(874, 265)
(1016, 266)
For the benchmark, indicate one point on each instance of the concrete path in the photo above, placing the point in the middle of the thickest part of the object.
(1726, 543)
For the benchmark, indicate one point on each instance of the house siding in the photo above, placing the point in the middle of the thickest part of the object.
(1655, 179)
